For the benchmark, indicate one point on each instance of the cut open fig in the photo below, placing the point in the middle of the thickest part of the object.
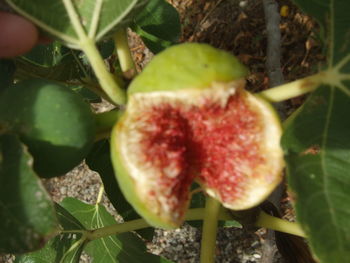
(218, 135)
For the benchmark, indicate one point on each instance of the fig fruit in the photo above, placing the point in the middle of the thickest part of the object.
(53, 121)
(189, 119)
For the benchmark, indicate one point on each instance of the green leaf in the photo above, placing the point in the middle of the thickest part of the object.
(87, 94)
(70, 72)
(65, 247)
(27, 214)
(97, 17)
(46, 55)
(158, 25)
(7, 69)
(80, 24)
(125, 247)
(66, 73)
(99, 161)
(197, 201)
(106, 48)
(317, 146)
(69, 68)
(62, 65)
(333, 16)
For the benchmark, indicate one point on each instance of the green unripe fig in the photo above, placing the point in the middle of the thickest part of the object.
(188, 66)
(53, 121)
(189, 119)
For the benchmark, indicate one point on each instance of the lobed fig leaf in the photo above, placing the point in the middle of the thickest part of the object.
(189, 119)
(53, 121)
(100, 19)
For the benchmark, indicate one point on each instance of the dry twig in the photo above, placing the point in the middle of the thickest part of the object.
(273, 65)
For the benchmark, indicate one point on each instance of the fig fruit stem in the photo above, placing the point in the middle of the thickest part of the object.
(293, 89)
(105, 121)
(87, 44)
(122, 49)
(267, 221)
(210, 227)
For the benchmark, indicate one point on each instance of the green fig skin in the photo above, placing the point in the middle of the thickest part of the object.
(189, 66)
(53, 121)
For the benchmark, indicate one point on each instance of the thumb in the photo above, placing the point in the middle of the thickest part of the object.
(17, 35)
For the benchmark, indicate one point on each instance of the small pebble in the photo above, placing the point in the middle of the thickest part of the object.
(256, 256)
(243, 4)
(63, 190)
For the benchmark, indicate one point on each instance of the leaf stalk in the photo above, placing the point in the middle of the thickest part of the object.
(105, 78)
(87, 44)
(100, 194)
(95, 18)
(117, 229)
(293, 89)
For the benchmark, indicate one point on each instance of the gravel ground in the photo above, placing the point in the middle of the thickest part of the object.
(183, 245)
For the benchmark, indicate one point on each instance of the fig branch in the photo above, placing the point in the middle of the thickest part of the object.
(274, 70)
(267, 221)
(263, 220)
(210, 226)
(192, 214)
(87, 44)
